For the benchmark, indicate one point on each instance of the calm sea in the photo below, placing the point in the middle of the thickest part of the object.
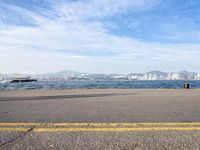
(99, 85)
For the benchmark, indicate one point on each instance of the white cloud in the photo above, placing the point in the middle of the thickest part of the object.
(101, 8)
(75, 42)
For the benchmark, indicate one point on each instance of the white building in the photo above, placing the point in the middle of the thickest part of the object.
(198, 76)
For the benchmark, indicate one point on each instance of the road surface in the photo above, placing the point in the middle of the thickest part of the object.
(100, 119)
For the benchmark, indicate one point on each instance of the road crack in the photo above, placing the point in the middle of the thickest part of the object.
(16, 138)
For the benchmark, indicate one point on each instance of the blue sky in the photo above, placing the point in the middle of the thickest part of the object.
(102, 36)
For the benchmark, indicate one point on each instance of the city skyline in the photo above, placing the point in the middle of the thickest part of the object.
(66, 75)
(102, 36)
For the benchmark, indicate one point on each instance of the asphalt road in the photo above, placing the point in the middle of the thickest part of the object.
(100, 106)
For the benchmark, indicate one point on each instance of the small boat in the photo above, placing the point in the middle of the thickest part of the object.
(17, 80)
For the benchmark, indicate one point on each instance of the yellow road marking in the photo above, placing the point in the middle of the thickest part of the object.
(110, 129)
(15, 129)
(102, 129)
(104, 124)
(98, 127)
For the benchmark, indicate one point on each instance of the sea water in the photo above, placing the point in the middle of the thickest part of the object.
(156, 84)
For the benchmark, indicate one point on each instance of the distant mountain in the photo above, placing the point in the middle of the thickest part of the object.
(186, 72)
(65, 73)
(98, 76)
(139, 74)
(157, 72)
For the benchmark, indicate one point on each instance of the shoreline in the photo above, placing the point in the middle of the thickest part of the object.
(56, 89)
